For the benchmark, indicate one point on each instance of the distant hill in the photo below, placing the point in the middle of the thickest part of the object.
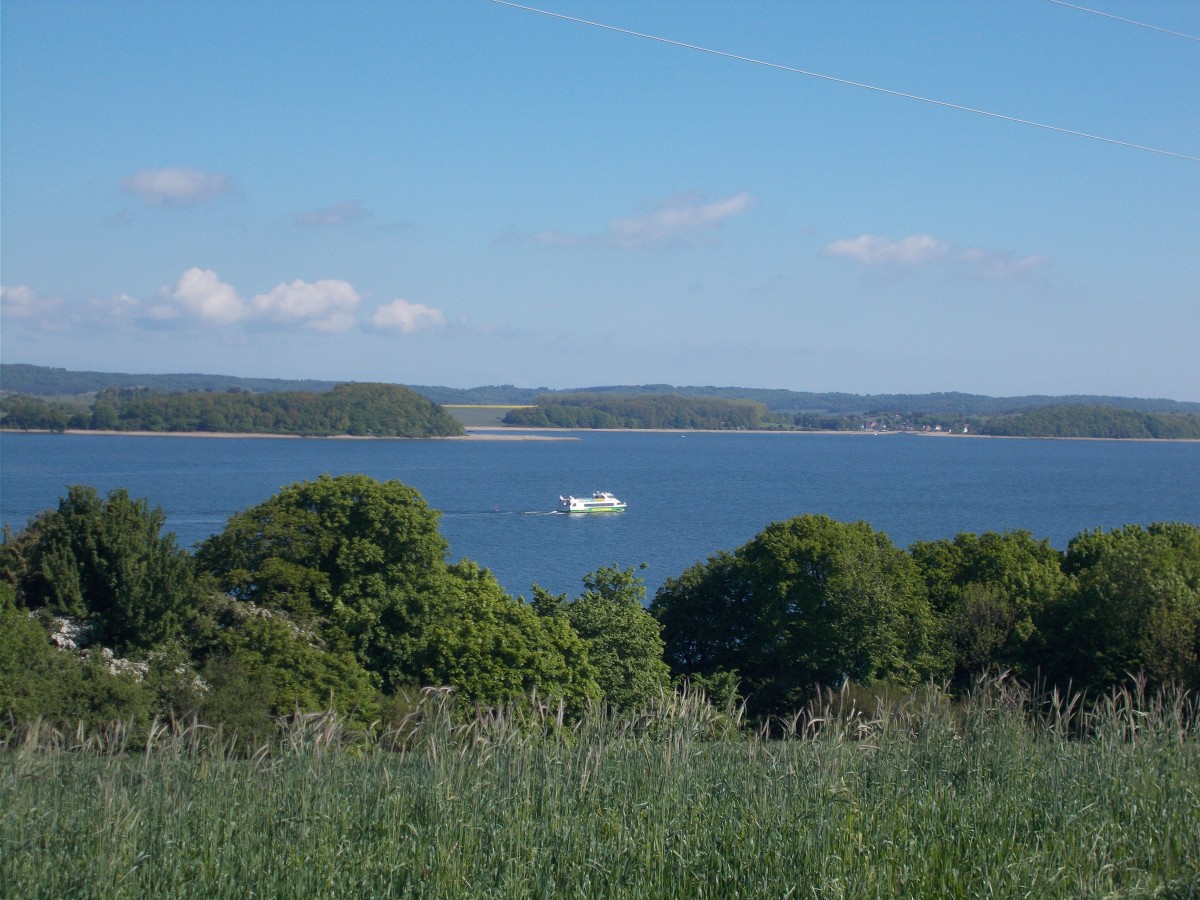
(779, 400)
(43, 381)
(671, 411)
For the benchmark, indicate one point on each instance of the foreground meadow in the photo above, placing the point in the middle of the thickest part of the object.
(998, 795)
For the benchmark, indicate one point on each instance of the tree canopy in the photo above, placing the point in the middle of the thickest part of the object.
(808, 601)
(595, 410)
(336, 594)
(1132, 606)
(105, 561)
(623, 641)
(376, 410)
(989, 591)
(362, 563)
(1094, 421)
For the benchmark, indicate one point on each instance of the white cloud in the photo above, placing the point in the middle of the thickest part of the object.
(18, 301)
(925, 249)
(176, 187)
(676, 217)
(681, 218)
(872, 250)
(344, 213)
(326, 305)
(202, 295)
(199, 294)
(407, 317)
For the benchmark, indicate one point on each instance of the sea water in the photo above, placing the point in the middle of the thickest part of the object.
(690, 494)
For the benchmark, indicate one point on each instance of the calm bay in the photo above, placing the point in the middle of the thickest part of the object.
(689, 494)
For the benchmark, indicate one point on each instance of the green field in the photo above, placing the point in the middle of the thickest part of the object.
(479, 416)
(1001, 795)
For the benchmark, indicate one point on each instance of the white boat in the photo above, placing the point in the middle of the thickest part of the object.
(600, 501)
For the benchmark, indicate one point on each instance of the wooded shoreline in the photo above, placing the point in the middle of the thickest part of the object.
(521, 433)
(471, 435)
(383, 410)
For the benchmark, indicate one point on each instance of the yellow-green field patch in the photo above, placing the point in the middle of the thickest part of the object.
(480, 415)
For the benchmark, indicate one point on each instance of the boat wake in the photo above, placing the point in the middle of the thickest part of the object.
(480, 513)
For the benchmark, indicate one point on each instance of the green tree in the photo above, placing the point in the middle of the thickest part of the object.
(298, 674)
(988, 591)
(578, 409)
(66, 689)
(496, 649)
(624, 642)
(104, 561)
(240, 699)
(807, 602)
(104, 415)
(1133, 607)
(30, 680)
(362, 565)
(360, 409)
(20, 411)
(1089, 420)
(360, 561)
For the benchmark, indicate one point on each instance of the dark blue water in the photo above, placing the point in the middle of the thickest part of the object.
(688, 496)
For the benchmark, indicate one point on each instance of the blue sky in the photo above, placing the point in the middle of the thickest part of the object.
(466, 193)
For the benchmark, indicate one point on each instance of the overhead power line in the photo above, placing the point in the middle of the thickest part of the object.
(1096, 12)
(858, 84)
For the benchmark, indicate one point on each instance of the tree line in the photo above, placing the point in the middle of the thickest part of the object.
(1094, 422)
(814, 601)
(44, 381)
(333, 594)
(336, 594)
(654, 411)
(380, 410)
(48, 381)
(940, 403)
(672, 411)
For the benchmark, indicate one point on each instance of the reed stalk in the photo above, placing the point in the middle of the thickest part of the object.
(1004, 793)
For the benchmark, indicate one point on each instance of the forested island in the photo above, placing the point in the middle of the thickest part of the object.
(315, 697)
(364, 410)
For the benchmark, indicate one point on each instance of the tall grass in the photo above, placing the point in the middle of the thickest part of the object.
(1005, 793)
